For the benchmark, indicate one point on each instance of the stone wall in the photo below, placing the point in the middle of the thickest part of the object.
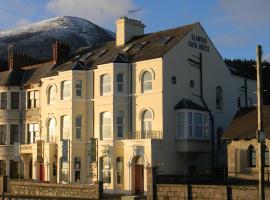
(206, 192)
(73, 191)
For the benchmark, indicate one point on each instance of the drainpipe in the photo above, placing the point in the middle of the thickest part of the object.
(210, 113)
(130, 99)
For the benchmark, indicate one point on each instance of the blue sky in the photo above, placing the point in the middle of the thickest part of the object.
(235, 26)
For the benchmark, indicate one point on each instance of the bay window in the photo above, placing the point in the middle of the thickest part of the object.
(120, 83)
(191, 124)
(78, 127)
(78, 88)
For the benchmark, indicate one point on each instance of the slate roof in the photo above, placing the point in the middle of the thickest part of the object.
(189, 104)
(145, 47)
(244, 124)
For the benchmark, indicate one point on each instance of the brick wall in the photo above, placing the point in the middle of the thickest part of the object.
(30, 189)
(206, 192)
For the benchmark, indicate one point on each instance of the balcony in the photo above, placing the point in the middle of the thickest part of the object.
(26, 148)
(146, 135)
(6, 150)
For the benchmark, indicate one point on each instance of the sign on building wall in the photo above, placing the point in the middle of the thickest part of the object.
(199, 42)
(65, 150)
(92, 150)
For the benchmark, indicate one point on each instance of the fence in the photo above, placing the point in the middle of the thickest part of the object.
(216, 186)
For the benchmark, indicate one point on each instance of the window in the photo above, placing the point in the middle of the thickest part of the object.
(54, 169)
(105, 125)
(252, 156)
(266, 156)
(146, 123)
(180, 117)
(3, 134)
(105, 84)
(65, 126)
(198, 125)
(51, 130)
(14, 133)
(14, 169)
(192, 124)
(146, 81)
(77, 169)
(2, 167)
(219, 98)
(15, 100)
(33, 133)
(219, 135)
(120, 124)
(78, 127)
(66, 90)
(106, 169)
(119, 170)
(51, 94)
(33, 99)
(4, 100)
(120, 83)
(78, 88)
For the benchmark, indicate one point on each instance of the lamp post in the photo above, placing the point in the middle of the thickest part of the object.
(260, 133)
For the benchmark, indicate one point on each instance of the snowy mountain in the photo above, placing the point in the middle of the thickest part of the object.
(267, 58)
(36, 39)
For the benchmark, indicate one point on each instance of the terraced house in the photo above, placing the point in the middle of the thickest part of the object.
(161, 99)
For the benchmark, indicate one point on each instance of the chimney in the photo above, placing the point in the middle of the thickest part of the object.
(126, 29)
(17, 60)
(10, 57)
(60, 51)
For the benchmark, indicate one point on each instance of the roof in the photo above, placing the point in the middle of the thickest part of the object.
(144, 47)
(189, 104)
(244, 124)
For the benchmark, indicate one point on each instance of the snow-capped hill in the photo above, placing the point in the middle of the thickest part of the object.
(37, 38)
(267, 58)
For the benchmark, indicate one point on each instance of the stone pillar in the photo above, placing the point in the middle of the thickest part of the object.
(26, 161)
(7, 167)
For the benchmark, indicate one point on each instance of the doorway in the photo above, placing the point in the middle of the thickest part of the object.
(139, 179)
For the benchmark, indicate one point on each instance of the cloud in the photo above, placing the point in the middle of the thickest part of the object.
(97, 11)
(22, 22)
(246, 12)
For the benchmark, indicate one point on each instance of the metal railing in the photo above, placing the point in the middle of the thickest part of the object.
(146, 135)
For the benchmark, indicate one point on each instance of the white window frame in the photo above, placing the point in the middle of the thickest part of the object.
(120, 84)
(104, 126)
(78, 88)
(32, 133)
(32, 99)
(143, 82)
(205, 125)
(65, 127)
(104, 85)
(66, 87)
(51, 98)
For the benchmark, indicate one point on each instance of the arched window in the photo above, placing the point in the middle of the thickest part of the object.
(252, 156)
(146, 81)
(146, 123)
(105, 125)
(65, 122)
(51, 130)
(66, 90)
(219, 98)
(105, 84)
(120, 124)
(51, 94)
(266, 156)
(219, 135)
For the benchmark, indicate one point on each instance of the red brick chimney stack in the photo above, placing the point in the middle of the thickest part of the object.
(60, 51)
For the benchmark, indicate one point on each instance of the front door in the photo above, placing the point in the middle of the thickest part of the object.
(41, 172)
(139, 187)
